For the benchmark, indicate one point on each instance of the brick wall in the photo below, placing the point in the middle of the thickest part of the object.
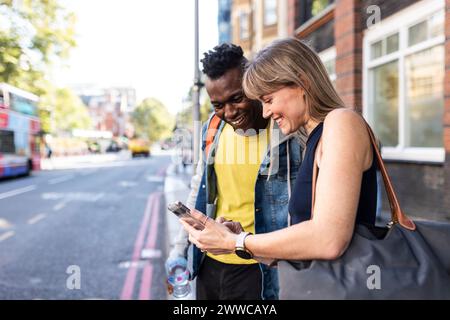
(348, 42)
(292, 10)
(420, 190)
(387, 8)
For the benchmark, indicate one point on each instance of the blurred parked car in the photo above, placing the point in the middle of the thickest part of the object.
(113, 147)
(139, 147)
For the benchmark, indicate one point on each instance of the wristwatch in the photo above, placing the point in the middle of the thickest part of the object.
(240, 249)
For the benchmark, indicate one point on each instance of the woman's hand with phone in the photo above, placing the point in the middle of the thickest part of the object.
(215, 238)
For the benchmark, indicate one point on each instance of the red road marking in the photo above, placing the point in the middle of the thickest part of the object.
(147, 273)
(127, 290)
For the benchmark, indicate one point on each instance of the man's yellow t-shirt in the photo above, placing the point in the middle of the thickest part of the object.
(237, 161)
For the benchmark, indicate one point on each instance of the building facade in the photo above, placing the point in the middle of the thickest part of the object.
(257, 23)
(224, 20)
(109, 108)
(391, 60)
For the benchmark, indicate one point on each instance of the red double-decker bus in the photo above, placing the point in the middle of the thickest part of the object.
(19, 132)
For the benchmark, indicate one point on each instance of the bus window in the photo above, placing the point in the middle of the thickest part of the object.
(7, 141)
(23, 105)
(2, 100)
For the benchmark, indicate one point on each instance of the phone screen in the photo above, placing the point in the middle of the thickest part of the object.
(181, 211)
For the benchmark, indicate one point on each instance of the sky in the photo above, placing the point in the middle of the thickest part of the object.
(145, 44)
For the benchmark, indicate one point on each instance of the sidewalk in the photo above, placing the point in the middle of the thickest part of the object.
(69, 162)
(176, 188)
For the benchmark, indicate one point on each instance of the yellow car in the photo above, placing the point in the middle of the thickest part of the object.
(139, 147)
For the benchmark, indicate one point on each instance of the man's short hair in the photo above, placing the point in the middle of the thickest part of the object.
(222, 58)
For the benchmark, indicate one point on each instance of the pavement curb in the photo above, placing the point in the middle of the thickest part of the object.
(176, 188)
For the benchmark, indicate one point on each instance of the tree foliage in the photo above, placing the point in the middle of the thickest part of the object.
(33, 34)
(152, 120)
(64, 111)
(185, 116)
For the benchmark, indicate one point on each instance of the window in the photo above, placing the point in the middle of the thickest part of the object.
(244, 26)
(270, 12)
(384, 47)
(23, 105)
(404, 83)
(328, 58)
(428, 29)
(318, 6)
(424, 105)
(7, 141)
(311, 8)
(384, 102)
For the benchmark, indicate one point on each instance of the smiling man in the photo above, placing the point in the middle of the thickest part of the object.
(233, 182)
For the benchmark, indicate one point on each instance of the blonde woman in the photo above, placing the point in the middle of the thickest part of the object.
(292, 83)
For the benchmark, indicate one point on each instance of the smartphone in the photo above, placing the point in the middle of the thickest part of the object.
(181, 211)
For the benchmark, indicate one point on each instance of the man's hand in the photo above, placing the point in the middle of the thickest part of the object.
(234, 226)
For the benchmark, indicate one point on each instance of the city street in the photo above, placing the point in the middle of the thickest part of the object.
(94, 232)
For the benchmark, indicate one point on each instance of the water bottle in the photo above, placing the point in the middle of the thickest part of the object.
(178, 278)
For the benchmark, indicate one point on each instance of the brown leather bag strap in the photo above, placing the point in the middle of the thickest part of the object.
(397, 214)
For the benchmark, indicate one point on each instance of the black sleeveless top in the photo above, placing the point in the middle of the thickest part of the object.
(300, 202)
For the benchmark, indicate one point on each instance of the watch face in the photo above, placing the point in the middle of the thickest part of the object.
(241, 253)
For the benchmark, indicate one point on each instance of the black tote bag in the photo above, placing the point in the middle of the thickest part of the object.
(405, 260)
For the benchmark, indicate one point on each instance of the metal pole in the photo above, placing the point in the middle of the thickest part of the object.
(196, 113)
(196, 88)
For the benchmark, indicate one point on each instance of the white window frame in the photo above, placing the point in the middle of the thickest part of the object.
(400, 22)
(242, 35)
(265, 23)
(329, 55)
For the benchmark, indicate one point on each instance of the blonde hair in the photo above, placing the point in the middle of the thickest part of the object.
(290, 62)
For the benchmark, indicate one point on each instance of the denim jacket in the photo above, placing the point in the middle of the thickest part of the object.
(276, 177)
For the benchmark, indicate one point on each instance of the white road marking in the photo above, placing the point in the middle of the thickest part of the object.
(150, 253)
(6, 235)
(155, 179)
(37, 218)
(73, 196)
(4, 224)
(59, 206)
(60, 179)
(16, 192)
(98, 197)
(126, 184)
(52, 196)
(132, 264)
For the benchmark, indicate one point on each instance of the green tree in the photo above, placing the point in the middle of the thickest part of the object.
(62, 110)
(184, 117)
(318, 6)
(152, 120)
(33, 35)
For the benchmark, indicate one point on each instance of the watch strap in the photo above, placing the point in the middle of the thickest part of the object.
(241, 239)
